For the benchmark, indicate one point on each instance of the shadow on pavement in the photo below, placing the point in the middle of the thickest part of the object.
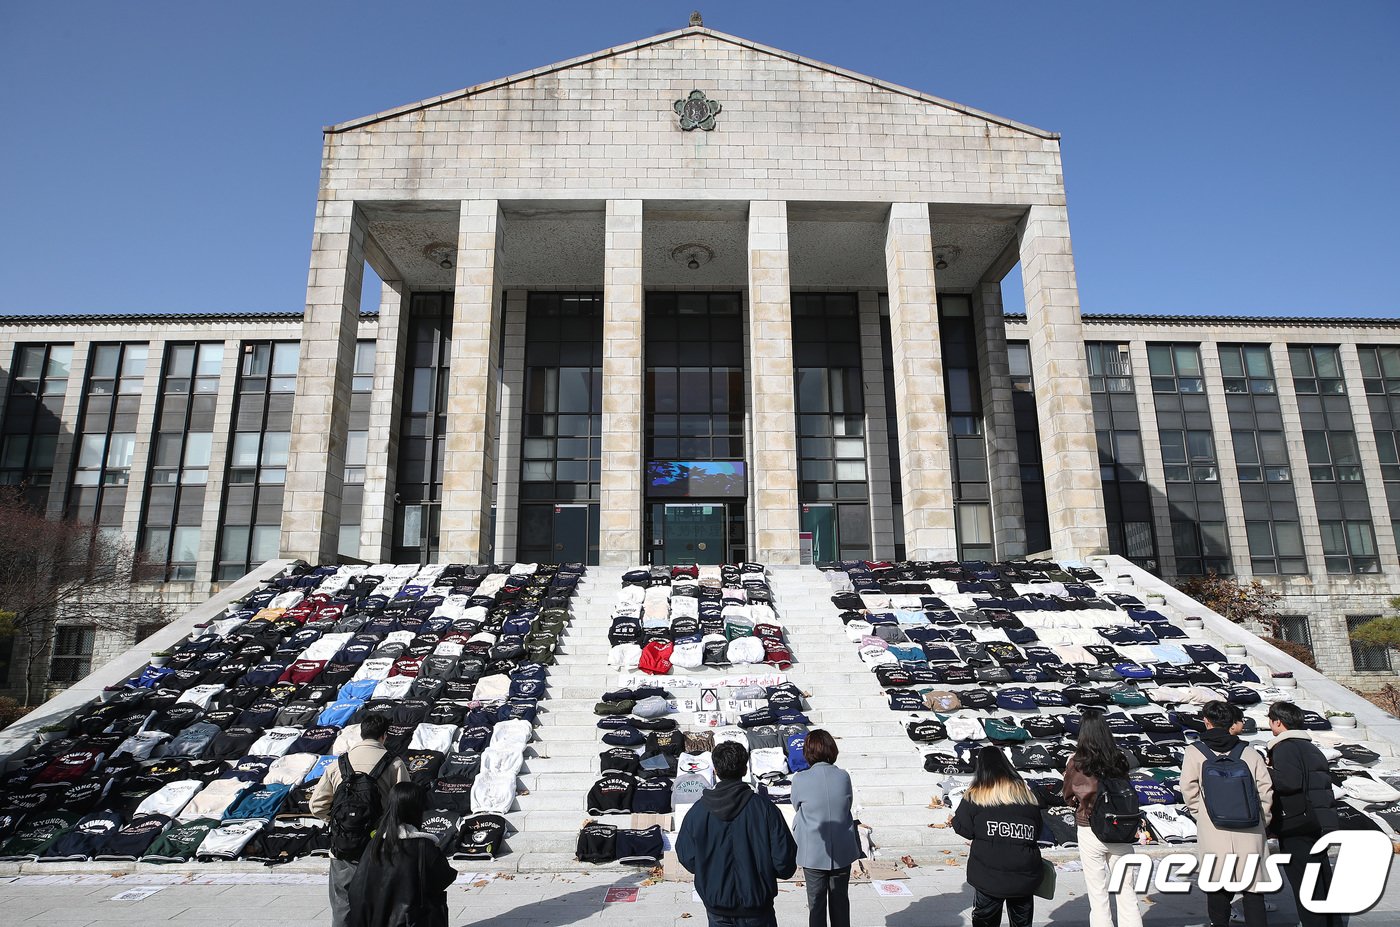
(943, 908)
(558, 910)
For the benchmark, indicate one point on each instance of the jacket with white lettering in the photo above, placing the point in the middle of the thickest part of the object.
(1004, 861)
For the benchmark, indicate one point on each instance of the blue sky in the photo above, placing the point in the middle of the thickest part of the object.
(1220, 157)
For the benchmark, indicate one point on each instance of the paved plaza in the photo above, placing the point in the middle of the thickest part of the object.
(938, 897)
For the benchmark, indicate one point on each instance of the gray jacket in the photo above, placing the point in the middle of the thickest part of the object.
(826, 834)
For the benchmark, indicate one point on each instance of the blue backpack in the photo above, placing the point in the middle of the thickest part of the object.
(1227, 787)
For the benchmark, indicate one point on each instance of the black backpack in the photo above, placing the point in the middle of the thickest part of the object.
(1116, 816)
(355, 808)
(1228, 790)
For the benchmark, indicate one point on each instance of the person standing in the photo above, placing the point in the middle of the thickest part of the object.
(1304, 806)
(1097, 757)
(353, 810)
(1233, 841)
(402, 877)
(737, 845)
(1001, 816)
(827, 842)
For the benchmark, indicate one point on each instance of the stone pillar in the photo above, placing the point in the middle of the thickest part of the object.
(1152, 457)
(1069, 449)
(511, 423)
(385, 409)
(145, 431)
(66, 447)
(877, 438)
(210, 526)
(468, 461)
(624, 318)
(772, 384)
(1227, 470)
(921, 409)
(321, 412)
(999, 421)
(1370, 460)
(1297, 460)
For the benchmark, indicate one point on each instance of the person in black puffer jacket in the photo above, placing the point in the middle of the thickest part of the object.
(1304, 805)
(1001, 816)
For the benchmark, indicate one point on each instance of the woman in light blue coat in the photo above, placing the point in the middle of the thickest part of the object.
(827, 843)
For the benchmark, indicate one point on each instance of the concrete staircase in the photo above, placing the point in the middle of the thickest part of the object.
(892, 789)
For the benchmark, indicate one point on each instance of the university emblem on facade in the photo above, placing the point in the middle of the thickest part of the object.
(696, 111)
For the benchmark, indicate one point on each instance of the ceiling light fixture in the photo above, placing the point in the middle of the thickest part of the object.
(440, 253)
(693, 254)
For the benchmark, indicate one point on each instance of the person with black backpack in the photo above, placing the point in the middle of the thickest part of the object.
(403, 875)
(1106, 815)
(1228, 790)
(350, 797)
(1305, 807)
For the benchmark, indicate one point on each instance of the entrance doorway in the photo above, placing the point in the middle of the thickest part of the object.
(693, 533)
(570, 534)
(820, 521)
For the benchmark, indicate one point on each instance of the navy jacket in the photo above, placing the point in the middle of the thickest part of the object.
(738, 846)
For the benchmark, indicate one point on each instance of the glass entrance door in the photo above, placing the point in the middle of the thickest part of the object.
(693, 534)
(820, 520)
(570, 534)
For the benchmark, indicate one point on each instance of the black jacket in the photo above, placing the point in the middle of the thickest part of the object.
(738, 846)
(409, 890)
(1304, 804)
(1005, 858)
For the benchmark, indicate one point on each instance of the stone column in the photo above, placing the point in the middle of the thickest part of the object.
(1297, 460)
(385, 408)
(511, 422)
(921, 409)
(1073, 490)
(999, 421)
(321, 412)
(772, 385)
(624, 318)
(468, 461)
(1370, 461)
(66, 447)
(877, 438)
(1152, 458)
(145, 440)
(210, 526)
(1227, 471)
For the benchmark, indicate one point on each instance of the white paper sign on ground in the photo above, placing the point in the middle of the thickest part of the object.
(137, 894)
(890, 889)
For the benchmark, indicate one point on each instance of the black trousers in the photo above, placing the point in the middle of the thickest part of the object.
(828, 890)
(1297, 848)
(986, 910)
(767, 919)
(1218, 908)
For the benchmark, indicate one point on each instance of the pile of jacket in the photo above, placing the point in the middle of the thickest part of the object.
(1007, 654)
(689, 619)
(214, 755)
(696, 618)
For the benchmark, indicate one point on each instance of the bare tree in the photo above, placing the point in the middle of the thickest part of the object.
(51, 570)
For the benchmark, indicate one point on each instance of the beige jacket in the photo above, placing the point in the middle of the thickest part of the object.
(363, 757)
(1210, 839)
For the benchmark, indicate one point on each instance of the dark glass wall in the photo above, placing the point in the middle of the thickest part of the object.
(1037, 515)
(1380, 368)
(106, 439)
(352, 491)
(561, 435)
(1126, 496)
(33, 418)
(967, 443)
(422, 428)
(833, 487)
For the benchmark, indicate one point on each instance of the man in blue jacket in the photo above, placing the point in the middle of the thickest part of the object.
(738, 846)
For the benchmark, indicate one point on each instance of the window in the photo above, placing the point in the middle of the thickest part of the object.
(1380, 369)
(1275, 547)
(72, 653)
(1018, 355)
(1261, 456)
(1189, 456)
(1363, 657)
(33, 413)
(1247, 368)
(1332, 456)
(1175, 368)
(1110, 367)
(1295, 629)
(1201, 547)
(145, 630)
(106, 440)
(1388, 449)
(363, 378)
(1349, 546)
(1317, 369)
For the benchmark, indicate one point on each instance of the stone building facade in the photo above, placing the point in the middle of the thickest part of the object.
(694, 298)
